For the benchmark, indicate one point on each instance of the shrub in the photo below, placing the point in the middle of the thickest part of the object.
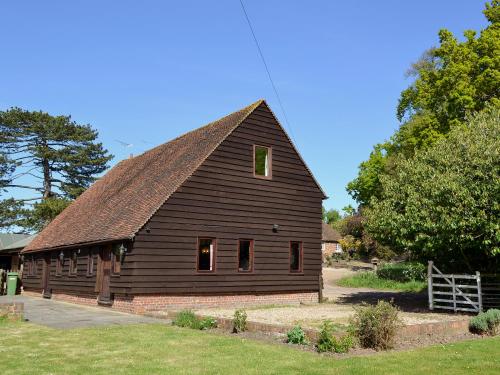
(186, 318)
(402, 272)
(296, 336)
(207, 323)
(327, 342)
(376, 326)
(240, 321)
(486, 323)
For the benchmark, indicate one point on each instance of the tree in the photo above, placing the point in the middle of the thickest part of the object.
(52, 156)
(331, 216)
(450, 81)
(443, 204)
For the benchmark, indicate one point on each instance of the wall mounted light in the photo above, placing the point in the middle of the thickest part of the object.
(275, 228)
(61, 256)
(122, 251)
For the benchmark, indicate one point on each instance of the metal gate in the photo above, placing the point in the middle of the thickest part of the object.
(454, 292)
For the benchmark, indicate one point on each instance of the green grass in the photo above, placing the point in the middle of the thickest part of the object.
(153, 349)
(371, 280)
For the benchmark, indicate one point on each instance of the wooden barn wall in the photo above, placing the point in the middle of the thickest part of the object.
(75, 283)
(223, 199)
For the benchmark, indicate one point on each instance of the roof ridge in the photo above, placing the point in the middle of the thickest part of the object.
(247, 108)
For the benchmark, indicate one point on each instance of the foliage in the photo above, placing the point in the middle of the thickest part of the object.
(331, 216)
(207, 323)
(327, 342)
(450, 81)
(376, 326)
(186, 318)
(486, 323)
(371, 280)
(296, 336)
(240, 321)
(352, 228)
(367, 184)
(43, 213)
(443, 203)
(51, 156)
(403, 272)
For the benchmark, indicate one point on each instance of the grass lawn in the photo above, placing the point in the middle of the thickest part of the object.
(155, 349)
(371, 280)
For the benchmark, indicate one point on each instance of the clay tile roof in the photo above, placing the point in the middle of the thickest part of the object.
(116, 206)
(330, 234)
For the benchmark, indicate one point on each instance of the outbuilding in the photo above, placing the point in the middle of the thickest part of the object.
(227, 214)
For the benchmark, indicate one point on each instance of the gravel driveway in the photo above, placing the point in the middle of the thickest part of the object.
(340, 306)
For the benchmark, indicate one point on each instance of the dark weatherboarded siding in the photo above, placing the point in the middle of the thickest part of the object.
(223, 200)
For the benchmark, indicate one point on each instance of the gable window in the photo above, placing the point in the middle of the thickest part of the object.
(262, 161)
(73, 264)
(206, 254)
(245, 255)
(295, 256)
(90, 263)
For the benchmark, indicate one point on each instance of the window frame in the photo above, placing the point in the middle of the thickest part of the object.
(301, 258)
(90, 263)
(116, 265)
(73, 264)
(269, 161)
(59, 265)
(251, 255)
(214, 255)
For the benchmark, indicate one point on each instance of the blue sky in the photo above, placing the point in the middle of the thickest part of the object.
(144, 72)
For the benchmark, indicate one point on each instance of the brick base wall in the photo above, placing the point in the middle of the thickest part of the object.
(140, 304)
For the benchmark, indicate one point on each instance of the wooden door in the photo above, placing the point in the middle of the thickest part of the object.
(47, 291)
(104, 276)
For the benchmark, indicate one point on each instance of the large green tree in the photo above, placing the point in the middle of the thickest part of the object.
(443, 203)
(52, 157)
(450, 81)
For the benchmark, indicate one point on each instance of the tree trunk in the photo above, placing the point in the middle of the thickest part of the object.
(47, 186)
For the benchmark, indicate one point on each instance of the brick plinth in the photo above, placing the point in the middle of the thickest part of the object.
(140, 304)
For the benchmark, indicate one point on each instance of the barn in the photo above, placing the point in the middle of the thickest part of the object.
(227, 214)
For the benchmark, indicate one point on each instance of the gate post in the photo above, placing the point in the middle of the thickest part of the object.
(429, 284)
(479, 291)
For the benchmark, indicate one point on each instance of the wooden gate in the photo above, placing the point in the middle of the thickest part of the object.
(454, 292)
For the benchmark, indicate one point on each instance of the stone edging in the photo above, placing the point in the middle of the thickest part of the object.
(446, 327)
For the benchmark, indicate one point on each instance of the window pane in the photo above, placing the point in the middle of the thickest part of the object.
(295, 248)
(245, 255)
(261, 161)
(205, 254)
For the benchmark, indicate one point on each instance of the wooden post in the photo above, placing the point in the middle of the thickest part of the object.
(429, 284)
(320, 293)
(479, 291)
(454, 293)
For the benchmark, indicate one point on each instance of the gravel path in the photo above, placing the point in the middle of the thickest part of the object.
(340, 305)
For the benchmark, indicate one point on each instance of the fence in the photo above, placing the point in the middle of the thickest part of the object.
(471, 293)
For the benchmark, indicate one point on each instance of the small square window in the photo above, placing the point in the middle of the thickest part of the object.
(262, 161)
(206, 254)
(245, 255)
(295, 256)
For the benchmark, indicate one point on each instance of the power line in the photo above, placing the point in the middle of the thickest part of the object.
(268, 72)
